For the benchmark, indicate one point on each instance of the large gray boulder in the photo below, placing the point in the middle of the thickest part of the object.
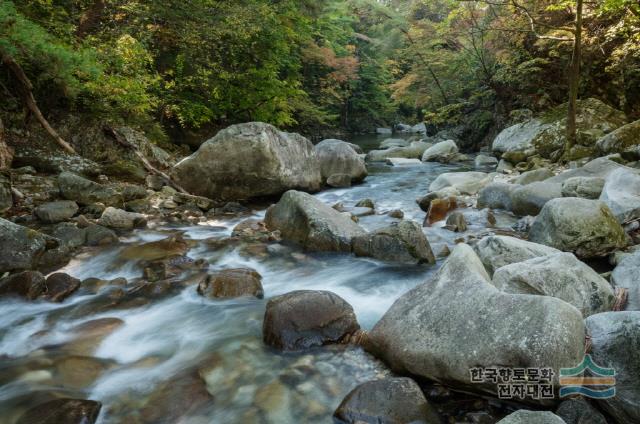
(250, 160)
(600, 167)
(458, 321)
(390, 401)
(464, 182)
(54, 212)
(585, 227)
(496, 195)
(306, 318)
(560, 275)
(627, 275)
(621, 140)
(338, 157)
(586, 187)
(86, 192)
(532, 417)
(402, 242)
(517, 140)
(529, 199)
(23, 248)
(441, 152)
(621, 192)
(615, 343)
(498, 251)
(303, 219)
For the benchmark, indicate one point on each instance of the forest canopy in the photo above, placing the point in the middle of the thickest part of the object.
(314, 65)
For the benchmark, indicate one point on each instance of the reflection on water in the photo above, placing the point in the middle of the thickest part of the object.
(177, 357)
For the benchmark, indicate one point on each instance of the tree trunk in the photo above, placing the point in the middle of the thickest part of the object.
(574, 82)
(25, 88)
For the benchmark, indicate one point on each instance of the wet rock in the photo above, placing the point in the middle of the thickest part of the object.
(498, 251)
(174, 245)
(443, 152)
(78, 372)
(26, 284)
(121, 220)
(54, 212)
(23, 248)
(456, 222)
(530, 199)
(615, 342)
(88, 335)
(395, 213)
(443, 328)
(254, 230)
(560, 275)
(306, 318)
(393, 142)
(621, 140)
(366, 203)
(6, 197)
(338, 157)
(581, 226)
(621, 193)
(496, 196)
(303, 219)
(250, 160)
(133, 192)
(627, 275)
(60, 286)
(464, 182)
(438, 209)
(63, 411)
(231, 283)
(389, 401)
(97, 235)
(534, 176)
(484, 161)
(402, 242)
(579, 411)
(86, 192)
(339, 181)
(585, 187)
(531, 417)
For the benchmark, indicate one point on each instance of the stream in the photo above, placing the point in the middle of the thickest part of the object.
(174, 356)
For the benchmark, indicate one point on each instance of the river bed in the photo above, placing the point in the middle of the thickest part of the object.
(175, 356)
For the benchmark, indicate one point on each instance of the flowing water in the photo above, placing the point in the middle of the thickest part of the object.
(174, 356)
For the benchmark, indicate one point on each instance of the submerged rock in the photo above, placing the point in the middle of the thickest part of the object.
(443, 328)
(232, 283)
(390, 401)
(174, 245)
(250, 160)
(615, 343)
(86, 192)
(498, 251)
(306, 318)
(59, 411)
(338, 157)
(581, 226)
(530, 417)
(60, 286)
(559, 275)
(402, 242)
(303, 219)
